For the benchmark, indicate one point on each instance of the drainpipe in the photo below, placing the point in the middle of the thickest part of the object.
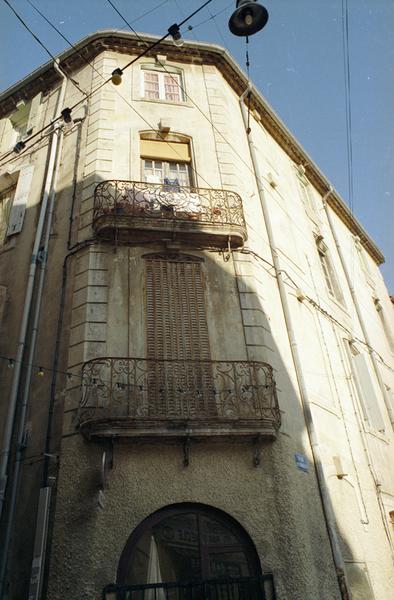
(373, 359)
(25, 321)
(321, 479)
(21, 439)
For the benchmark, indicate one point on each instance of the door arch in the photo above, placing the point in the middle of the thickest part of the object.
(187, 542)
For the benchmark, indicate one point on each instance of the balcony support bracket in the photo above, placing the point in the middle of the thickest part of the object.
(257, 447)
(186, 451)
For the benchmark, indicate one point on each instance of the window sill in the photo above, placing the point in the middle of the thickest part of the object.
(8, 245)
(162, 101)
(380, 435)
(338, 304)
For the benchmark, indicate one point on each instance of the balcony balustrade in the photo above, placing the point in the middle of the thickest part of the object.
(136, 397)
(141, 211)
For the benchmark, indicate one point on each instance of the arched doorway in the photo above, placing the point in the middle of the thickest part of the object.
(191, 551)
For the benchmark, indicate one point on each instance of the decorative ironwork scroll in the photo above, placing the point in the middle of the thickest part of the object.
(158, 389)
(165, 201)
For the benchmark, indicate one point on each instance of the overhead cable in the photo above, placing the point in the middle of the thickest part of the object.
(148, 49)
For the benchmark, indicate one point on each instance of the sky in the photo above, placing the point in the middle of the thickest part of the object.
(297, 62)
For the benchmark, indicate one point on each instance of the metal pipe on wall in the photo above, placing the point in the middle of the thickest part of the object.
(20, 444)
(321, 479)
(25, 321)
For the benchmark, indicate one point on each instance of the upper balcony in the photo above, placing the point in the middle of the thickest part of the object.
(150, 398)
(138, 211)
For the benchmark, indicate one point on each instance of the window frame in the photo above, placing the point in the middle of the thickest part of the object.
(166, 172)
(200, 510)
(371, 411)
(307, 196)
(6, 195)
(329, 273)
(384, 323)
(161, 74)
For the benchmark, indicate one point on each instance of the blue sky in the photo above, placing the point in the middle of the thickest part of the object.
(297, 62)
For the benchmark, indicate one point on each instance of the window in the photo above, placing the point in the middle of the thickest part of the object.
(186, 543)
(385, 324)
(364, 262)
(14, 192)
(365, 388)
(161, 85)
(170, 173)
(307, 195)
(6, 198)
(328, 270)
(20, 123)
(166, 162)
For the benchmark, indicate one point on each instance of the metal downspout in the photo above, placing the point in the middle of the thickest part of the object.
(21, 439)
(374, 363)
(321, 479)
(12, 406)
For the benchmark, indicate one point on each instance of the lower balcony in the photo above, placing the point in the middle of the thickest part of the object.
(147, 398)
(138, 211)
(235, 588)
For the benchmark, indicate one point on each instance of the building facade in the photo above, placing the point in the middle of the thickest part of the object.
(196, 340)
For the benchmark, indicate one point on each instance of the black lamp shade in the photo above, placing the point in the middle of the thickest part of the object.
(248, 18)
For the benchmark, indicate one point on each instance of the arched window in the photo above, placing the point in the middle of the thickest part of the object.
(187, 543)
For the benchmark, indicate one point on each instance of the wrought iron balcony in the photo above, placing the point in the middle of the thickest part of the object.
(136, 397)
(147, 211)
(235, 588)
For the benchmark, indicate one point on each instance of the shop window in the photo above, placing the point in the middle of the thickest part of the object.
(186, 543)
(328, 270)
(162, 85)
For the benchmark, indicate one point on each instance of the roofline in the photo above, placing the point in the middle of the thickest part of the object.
(109, 39)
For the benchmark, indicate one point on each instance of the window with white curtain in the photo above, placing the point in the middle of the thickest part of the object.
(162, 85)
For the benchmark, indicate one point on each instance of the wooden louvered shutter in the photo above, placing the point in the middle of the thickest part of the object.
(177, 336)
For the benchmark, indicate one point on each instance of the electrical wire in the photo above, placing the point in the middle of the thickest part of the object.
(348, 112)
(150, 11)
(42, 44)
(186, 95)
(153, 45)
(117, 92)
(349, 136)
(212, 16)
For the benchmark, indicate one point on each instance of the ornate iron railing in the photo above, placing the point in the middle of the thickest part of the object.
(164, 201)
(237, 588)
(179, 390)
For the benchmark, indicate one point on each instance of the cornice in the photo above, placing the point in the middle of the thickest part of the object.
(46, 77)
